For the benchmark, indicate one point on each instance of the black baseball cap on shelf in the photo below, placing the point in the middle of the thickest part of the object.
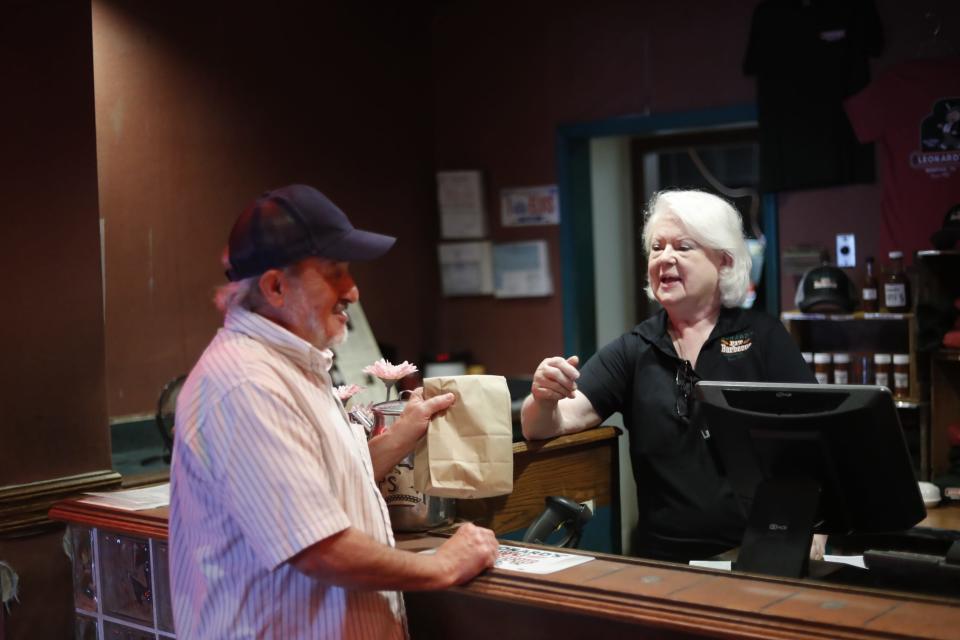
(948, 235)
(294, 222)
(826, 288)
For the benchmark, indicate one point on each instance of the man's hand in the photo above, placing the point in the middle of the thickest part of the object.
(399, 439)
(354, 560)
(412, 423)
(468, 552)
(555, 379)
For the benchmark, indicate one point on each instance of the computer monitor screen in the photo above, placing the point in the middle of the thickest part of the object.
(807, 457)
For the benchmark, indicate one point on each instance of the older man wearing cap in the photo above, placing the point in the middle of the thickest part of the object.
(277, 526)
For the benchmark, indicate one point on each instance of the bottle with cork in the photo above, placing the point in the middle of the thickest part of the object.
(868, 293)
(896, 287)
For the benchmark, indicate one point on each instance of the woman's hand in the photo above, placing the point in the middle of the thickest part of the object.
(555, 379)
(818, 546)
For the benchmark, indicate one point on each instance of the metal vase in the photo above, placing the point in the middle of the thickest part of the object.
(409, 509)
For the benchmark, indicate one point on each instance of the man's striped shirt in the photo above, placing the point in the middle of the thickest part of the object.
(266, 464)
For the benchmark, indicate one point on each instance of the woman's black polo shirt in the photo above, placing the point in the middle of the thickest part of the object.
(686, 509)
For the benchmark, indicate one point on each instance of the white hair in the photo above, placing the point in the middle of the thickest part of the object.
(242, 293)
(713, 223)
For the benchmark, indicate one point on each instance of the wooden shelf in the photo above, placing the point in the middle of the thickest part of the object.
(947, 355)
(840, 317)
(861, 335)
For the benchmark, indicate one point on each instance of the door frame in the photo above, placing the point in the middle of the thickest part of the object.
(576, 221)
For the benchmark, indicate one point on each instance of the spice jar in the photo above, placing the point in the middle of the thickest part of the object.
(821, 367)
(901, 375)
(881, 369)
(841, 368)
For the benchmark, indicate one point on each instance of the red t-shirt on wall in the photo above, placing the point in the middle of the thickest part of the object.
(912, 112)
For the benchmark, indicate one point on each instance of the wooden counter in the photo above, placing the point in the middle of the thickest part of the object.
(582, 466)
(612, 596)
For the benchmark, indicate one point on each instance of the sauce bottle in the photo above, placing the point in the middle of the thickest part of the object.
(868, 294)
(901, 375)
(896, 287)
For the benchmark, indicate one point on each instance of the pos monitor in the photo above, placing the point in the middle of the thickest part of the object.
(805, 458)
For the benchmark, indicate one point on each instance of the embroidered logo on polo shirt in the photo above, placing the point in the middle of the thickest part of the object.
(736, 344)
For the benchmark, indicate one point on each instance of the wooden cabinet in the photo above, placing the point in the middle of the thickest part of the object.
(944, 406)
(938, 290)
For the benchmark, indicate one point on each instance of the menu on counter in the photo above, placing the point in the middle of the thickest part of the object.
(151, 497)
(537, 561)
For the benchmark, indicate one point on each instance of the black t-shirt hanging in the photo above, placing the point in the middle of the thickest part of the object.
(807, 57)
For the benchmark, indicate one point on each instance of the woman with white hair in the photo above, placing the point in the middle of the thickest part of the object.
(698, 270)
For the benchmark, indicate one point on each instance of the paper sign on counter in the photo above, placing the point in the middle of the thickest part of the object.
(536, 560)
(131, 499)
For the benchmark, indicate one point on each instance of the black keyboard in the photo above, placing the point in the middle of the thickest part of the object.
(944, 535)
(916, 569)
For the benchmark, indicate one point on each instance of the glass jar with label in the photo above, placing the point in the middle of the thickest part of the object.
(821, 367)
(896, 287)
(901, 375)
(841, 368)
(881, 369)
(864, 369)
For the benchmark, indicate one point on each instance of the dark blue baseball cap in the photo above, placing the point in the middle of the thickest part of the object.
(295, 222)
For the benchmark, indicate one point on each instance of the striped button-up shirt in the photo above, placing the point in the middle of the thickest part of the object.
(266, 464)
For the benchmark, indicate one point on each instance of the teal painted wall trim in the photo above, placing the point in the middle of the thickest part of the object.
(771, 253)
(576, 246)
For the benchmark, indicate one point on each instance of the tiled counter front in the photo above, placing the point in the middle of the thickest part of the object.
(121, 588)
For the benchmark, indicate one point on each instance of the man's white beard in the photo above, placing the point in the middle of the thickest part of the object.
(319, 337)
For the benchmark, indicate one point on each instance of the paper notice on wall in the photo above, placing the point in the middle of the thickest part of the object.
(460, 198)
(466, 268)
(529, 206)
(521, 269)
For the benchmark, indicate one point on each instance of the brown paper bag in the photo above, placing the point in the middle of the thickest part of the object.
(467, 451)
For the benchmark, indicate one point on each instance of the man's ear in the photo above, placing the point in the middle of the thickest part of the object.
(273, 287)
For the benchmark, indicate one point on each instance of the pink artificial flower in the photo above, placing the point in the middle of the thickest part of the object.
(386, 371)
(345, 391)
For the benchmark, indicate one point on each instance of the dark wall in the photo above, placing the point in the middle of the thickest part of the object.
(505, 80)
(200, 107)
(52, 370)
(52, 365)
